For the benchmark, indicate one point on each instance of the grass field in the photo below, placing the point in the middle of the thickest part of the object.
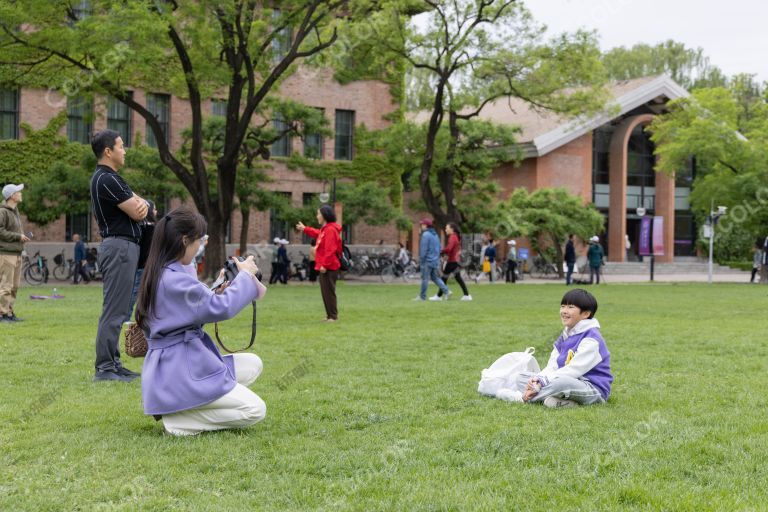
(380, 411)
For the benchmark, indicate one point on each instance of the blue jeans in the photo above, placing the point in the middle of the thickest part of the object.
(431, 273)
(135, 291)
(569, 273)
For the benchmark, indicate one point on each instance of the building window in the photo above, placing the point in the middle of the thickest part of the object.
(119, 118)
(79, 118)
(309, 199)
(78, 223)
(79, 11)
(345, 126)
(160, 106)
(219, 108)
(9, 114)
(346, 234)
(281, 42)
(278, 227)
(282, 146)
(313, 144)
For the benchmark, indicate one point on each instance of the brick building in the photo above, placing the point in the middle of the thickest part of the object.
(364, 102)
(607, 160)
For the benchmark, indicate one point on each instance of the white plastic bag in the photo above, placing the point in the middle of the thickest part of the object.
(503, 372)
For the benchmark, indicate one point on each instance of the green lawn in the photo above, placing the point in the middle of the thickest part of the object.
(380, 411)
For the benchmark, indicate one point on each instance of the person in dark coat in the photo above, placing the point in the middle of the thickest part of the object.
(570, 259)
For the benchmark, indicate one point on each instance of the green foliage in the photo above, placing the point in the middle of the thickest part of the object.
(546, 217)
(38, 151)
(464, 56)
(687, 66)
(726, 130)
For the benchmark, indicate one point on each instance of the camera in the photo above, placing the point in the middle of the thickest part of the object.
(230, 271)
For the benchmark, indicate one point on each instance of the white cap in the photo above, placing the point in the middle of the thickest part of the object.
(276, 240)
(594, 239)
(511, 242)
(284, 241)
(11, 189)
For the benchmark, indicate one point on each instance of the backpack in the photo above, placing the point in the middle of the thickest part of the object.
(503, 372)
(345, 258)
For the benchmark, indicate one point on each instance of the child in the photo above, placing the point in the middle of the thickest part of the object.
(579, 369)
(185, 378)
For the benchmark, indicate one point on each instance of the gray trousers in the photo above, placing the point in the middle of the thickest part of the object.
(580, 391)
(117, 261)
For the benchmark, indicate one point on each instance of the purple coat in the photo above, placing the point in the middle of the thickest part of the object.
(183, 369)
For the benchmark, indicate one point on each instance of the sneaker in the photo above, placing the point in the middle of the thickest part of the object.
(509, 395)
(12, 318)
(435, 298)
(553, 402)
(104, 376)
(125, 372)
(466, 298)
(447, 295)
(418, 299)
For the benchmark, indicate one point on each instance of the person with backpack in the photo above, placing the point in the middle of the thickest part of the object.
(595, 256)
(327, 252)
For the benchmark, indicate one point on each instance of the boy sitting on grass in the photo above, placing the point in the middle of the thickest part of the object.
(579, 369)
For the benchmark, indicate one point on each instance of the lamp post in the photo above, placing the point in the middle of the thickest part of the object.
(641, 213)
(714, 216)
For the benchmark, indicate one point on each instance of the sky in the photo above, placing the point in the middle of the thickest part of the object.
(733, 34)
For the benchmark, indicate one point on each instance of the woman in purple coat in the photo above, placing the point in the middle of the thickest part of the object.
(185, 378)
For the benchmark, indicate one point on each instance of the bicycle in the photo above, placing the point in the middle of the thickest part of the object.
(64, 269)
(36, 270)
(543, 269)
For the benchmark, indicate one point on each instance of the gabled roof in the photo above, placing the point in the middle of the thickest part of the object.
(543, 131)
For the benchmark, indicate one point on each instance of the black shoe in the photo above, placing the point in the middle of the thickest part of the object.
(12, 318)
(4, 318)
(125, 372)
(111, 375)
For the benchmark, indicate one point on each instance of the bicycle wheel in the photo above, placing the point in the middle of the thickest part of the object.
(388, 273)
(33, 275)
(60, 273)
(538, 272)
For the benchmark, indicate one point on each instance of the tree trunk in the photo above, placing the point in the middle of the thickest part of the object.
(245, 213)
(559, 257)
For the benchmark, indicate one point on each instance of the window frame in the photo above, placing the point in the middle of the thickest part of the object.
(165, 124)
(12, 114)
(344, 142)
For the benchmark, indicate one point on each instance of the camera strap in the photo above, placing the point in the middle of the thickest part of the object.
(253, 333)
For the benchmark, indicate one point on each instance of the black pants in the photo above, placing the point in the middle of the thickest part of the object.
(80, 272)
(754, 273)
(328, 291)
(453, 268)
(511, 267)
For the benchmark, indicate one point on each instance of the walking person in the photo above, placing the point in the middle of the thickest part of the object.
(570, 259)
(118, 212)
(595, 256)
(429, 260)
(12, 240)
(187, 383)
(283, 263)
(80, 260)
(328, 249)
(757, 259)
(452, 252)
(511, 276)
(490, 255)
(276, 273)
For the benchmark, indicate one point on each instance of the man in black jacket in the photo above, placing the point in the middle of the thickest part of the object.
(570, 258)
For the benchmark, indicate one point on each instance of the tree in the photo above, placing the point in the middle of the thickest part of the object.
(237, 49)
(534, 216)
(470, 54)
(688, 67)
(725, 132)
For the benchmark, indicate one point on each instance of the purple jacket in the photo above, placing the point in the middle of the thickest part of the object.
(599, 375)
(183, 369)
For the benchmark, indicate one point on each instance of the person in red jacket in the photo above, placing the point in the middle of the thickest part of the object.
(452, 251)
(327, 252)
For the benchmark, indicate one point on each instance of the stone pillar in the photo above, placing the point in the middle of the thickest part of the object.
(617, 179)
(665, 206)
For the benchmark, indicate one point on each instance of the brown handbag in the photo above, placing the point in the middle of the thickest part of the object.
(135, 342)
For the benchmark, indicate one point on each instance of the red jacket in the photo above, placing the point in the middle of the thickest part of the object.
(453, 248)
(328, 245)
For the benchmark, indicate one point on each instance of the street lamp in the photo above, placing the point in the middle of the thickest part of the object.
(709, 229)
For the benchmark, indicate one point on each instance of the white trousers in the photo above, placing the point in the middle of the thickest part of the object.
(239, 408)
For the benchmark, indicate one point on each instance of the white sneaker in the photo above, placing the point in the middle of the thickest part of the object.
(509, 395)
(466, 298)
(552, 401)
(418, 299)
(447, 295)
(435, 298)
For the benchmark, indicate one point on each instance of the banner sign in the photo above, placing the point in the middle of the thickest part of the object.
(522, 253)
(658, 235)
(644, 244)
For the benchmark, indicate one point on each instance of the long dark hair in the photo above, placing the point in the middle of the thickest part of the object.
(455, 228)
(167, 246)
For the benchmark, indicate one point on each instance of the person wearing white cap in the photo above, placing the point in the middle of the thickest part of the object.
(511, 262)
(12, 240)
(595, 255)
(275, 274)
